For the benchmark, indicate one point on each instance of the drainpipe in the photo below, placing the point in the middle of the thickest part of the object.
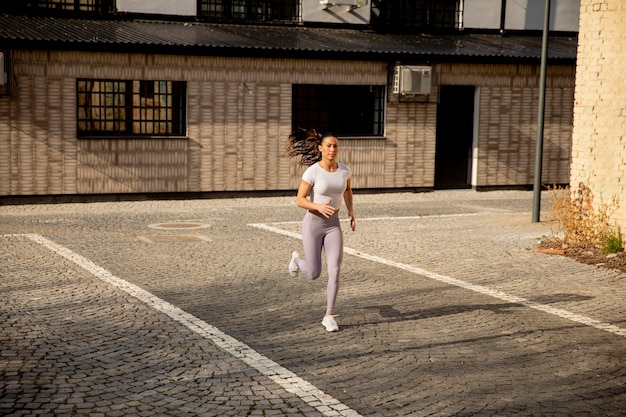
(541, 114)
(502, 16)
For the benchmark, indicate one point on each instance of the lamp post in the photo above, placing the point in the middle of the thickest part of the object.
(541, 115)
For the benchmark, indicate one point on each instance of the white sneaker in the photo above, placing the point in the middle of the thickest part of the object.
(330, 324)
(293, 266)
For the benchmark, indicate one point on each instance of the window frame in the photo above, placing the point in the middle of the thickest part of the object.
(61, 7)
(130, 109)
(266, 11)
(413, 16)
(341, 109)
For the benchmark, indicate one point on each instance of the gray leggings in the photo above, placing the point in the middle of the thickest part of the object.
(319, 232)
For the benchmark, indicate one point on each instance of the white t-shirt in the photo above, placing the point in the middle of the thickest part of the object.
(327, 185)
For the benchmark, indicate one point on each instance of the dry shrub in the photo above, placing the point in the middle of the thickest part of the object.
(579, 223)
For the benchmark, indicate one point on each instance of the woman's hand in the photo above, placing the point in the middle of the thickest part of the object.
(325, 209)
(352, 223)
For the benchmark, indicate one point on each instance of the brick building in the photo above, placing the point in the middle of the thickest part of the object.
(599, 134)
(195, 96)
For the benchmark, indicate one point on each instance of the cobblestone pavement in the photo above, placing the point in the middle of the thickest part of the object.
(186, 308)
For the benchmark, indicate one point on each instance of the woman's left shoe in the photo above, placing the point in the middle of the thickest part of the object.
(293, 266)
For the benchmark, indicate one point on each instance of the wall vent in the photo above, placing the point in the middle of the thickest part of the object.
(412, 80)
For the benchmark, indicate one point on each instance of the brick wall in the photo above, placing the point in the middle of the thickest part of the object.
(507, 123)
(599, 134)
(239, 115)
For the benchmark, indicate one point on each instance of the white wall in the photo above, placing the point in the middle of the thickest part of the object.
(566, 16)
(169, 7)
(528, 15)
(522, 14)
(482, 14)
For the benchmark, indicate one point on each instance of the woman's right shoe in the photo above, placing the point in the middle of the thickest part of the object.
(293, 266)
(330, 324)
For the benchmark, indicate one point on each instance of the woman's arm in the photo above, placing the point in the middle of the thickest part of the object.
(302, 201)
(347, 197)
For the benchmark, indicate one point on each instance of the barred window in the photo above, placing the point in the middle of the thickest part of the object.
(82, 5)
(346, 110)
(250, 10)
(417, 15)
(61, 6)
(114, 108)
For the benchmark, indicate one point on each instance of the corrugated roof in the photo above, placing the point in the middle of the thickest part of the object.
(297, 41)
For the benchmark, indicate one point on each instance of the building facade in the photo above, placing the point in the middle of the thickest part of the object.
(148, 97)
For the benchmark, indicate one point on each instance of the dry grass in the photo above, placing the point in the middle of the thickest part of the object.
(579, 222)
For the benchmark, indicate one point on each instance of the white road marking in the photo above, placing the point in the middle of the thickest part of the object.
(290, 382)
(587, 321)
(376, 219)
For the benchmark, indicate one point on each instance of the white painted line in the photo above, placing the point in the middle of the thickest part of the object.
(290, 382)
(429, 216)
(376, 219)
(587, 321)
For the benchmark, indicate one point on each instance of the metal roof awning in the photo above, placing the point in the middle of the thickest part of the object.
(192, 38)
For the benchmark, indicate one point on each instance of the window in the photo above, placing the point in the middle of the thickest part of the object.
(82, 5)
(114, 108)
(59, 6)
(250, 10)
(417, 15)
(346, 110)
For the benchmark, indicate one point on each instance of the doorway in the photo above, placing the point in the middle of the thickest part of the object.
(454, 137)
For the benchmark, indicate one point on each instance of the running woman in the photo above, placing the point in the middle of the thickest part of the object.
(323, 186)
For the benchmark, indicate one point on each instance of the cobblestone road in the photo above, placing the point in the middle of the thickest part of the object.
(185, 308)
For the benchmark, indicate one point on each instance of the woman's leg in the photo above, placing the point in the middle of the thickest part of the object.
(333, 248)
(313, 241)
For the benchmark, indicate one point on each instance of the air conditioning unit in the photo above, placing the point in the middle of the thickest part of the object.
(412, 79)
(351, 3)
